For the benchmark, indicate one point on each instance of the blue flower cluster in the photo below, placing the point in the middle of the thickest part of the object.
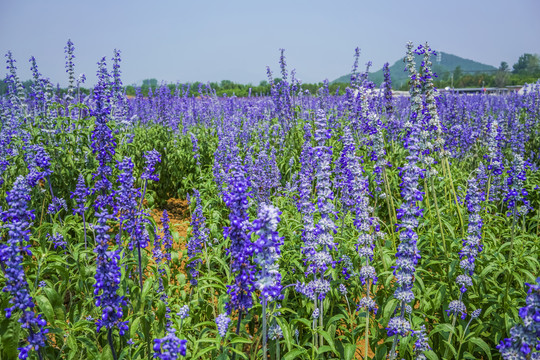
(167, 236)
(266, 251)
(240, 250)
(17, 221)
(524, 342)
(126, 203)
(318, 257)
(107, 278)
(222, 323)
(407, 254)
(169, 347)
(80, 194)
(516, 187)
(199, 237)
(196, 154)
(151, 157)
(103, 141)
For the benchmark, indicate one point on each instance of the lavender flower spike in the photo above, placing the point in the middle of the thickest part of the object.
(267, 251)
(169, 347)
(151, 157)
(17, 221)
(524, 342)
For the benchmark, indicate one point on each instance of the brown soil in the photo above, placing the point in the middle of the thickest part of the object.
(179, 216)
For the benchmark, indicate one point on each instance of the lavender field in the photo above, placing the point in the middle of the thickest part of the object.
(321, 226)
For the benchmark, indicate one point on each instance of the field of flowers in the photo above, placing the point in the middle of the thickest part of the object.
(362, 226)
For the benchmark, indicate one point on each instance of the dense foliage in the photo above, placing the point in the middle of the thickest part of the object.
(321, 226)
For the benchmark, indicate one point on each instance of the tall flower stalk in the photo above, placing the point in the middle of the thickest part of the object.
(524, 340)
(472, 246)
(321, 236)
(266, 252)
(367, 227)
(103, 141)
(407, 254)
(130, 215)
(80, 194)
(107, 281)
(199, 237)
(240, 250)
(17, 220)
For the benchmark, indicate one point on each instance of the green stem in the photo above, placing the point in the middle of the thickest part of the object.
(438, 214)
(514, 215)
(140, 266)
(445, 161)
(264, 332)
(461, 340)
(211, 287)
(391, 208)
(321, 338)
(367, 324)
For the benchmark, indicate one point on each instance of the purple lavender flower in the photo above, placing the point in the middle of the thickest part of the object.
(317, 253)
(222, 322)
(126, 203)
(183, 312)
(457, 307)
(17, 221)
(421, 345)
(407, 254)
(399, 326)
(516, 187)
(240, 250)
(266, 251)
(80, 194)
(167, 236)
(103, 141)
(387, 89)
(195, 143)
(472, 245)
(524, 342)
(16, 91)
(70, 66)
(58, 240)
(198, 239)
(107, 278)
(169, 347)
(151, 157)
(56, 205)
(118, 100)
(36, 157)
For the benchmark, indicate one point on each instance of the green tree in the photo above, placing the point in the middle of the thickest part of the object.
(502, 75)
(527, 64)
(150, 82)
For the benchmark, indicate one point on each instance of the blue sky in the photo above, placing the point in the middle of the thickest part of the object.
(210, 40)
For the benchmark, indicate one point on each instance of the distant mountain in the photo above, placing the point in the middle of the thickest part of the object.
(443, 65)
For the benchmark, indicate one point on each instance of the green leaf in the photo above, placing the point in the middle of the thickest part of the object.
(72, 343)
(431, 355)
(443, 327)
(482, 344)
(349, 350)
(90, 345)
(286, 331)
(330, 340)
(295, 354)
(45, 306)
(240, 340)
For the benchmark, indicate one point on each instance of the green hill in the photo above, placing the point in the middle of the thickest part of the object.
(443, 65)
